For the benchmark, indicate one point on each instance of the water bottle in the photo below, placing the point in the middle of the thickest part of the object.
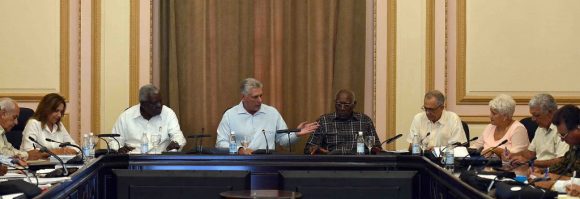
(449, 157)
(92, 143)
(360, 144)
(416, 146)
(86, 146)
(233, 144)
(144, 144)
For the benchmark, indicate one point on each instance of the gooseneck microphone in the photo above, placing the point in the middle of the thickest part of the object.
(466, 143)
(493, 148)
(388, 141)
(64, 144)
(44, 149)
(112, 135)
(266, 138)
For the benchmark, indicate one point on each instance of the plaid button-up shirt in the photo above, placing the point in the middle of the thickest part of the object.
(335, 133)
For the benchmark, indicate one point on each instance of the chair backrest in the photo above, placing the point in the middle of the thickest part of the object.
(531, 127)
(466, 129)
(15, 135)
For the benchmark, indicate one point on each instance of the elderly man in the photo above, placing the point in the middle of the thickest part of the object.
(546, 145)
(9, 112)
(256, 122)
(443, 126)
(339, 130)
(149, 117)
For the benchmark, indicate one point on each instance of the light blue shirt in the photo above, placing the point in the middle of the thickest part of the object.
(238, 120)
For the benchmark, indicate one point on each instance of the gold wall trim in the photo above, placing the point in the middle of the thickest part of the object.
(96, 66)
(430, 45)
(134, 41)
(463, 98)
(63, 59)
(391, 70)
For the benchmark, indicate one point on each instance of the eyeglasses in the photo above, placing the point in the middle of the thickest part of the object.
(429, 109)
(565, 134)
(344, 105)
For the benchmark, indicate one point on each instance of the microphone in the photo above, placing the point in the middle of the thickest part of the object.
(288, 131)
(44, 149)
(466, 143)
(388, 141)
(64, 144)
(108, 135)
(428, 133)
(266, 138)
(492, 148)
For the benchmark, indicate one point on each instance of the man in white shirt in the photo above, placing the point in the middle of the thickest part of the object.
(257, 122)
(546, 145)
(149, 117)
(443, 126)
(9, 112)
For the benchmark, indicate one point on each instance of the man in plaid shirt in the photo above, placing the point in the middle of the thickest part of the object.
(339, 130)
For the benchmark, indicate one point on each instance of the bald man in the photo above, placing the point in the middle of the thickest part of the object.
(339, 130)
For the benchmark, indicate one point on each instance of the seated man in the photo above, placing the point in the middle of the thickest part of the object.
(546, 145)
(9, 112)
(150, 116)
(567, 119)
(256, 122)
(443, 126)
(339, 130)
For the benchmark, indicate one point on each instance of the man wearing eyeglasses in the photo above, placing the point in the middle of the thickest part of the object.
(567, 120)
(443, 126)
(339, 130)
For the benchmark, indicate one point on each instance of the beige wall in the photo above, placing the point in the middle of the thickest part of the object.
(431, 52)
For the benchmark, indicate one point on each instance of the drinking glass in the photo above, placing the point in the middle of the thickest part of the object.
(370, 142)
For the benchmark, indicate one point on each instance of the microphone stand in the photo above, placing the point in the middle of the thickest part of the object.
(63, 144)
(266, 138)
(108, 147)
(44, 149)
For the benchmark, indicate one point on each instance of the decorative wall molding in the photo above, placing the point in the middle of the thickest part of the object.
(465, 97)
(391, 70)
(134, 51)
(24, 95)
(96, 66)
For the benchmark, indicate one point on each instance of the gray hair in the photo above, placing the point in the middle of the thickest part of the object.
(545, 102)
(7, 104)
(503, 104)
(351, 93)
(437, 95)
(146, 91)
(248, 84)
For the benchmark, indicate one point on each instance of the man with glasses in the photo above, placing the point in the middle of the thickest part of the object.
(339, 130)
(148, 117)
(443, 126)
(567, 120)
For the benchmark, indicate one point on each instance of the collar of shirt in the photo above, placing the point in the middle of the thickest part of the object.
(241, 110)
(355, 117)
(54, 128)
(442, 121)
(550, 129)
(137, 113)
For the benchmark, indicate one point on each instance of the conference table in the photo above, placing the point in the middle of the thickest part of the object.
(313, 176)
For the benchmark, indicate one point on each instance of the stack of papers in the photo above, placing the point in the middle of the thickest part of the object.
(458, 152)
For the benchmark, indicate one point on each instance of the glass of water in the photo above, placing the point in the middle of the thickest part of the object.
(155, 140)
(370, 142)
(245, 142)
